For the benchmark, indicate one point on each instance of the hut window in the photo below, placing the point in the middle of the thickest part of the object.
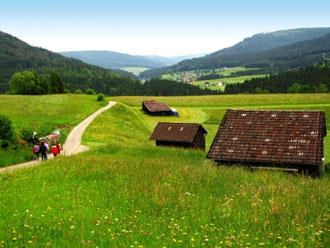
(273, 115)
(181, 129)
(169, 128)
(243, 114)
(267, 140)
(235, 138)
(264, 152)
(300, 153)
(305, 116)
(230, 150)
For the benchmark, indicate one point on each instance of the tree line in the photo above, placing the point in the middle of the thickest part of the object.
(304, 80)
(32, 83)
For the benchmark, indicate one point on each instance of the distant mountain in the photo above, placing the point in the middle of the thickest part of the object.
(269, 51)
(174, 59)
(16, 55)
(115, 60)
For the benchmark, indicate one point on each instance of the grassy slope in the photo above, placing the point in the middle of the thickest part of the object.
(43, 114)
(125, 192)
(209, 110)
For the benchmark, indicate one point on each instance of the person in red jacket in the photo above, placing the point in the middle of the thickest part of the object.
(55, 150)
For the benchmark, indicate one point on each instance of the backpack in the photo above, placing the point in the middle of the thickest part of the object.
(43, 148)
(36, 149)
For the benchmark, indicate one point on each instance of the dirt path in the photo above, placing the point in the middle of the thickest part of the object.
(72, 143)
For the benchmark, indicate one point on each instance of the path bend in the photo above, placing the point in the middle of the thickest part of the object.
(72, 143)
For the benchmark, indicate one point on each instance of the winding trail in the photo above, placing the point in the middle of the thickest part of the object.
(72, 143)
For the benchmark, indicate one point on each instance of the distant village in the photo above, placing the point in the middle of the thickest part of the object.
(192, 76)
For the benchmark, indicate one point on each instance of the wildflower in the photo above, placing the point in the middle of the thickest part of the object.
(192, 239)
(174, 240)
(14, 239)
(30, 242)
(233, 237)
(72, 227)
(261, 244)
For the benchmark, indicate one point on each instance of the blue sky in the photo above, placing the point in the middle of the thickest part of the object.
(145, 27)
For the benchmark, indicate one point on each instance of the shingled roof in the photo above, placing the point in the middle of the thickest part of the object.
(178, 132)
(275, 137)
(154, 106)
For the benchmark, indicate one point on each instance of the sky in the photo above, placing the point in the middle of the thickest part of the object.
(145, 27)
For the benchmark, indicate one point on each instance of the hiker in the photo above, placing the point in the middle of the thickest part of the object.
(43, 150)
(55, 150)
(59, 147)
(36, 151)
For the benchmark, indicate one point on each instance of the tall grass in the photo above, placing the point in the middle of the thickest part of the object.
(125, 192)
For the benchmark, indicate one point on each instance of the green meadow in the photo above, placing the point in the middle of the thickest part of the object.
(125, 192)
(42, 114)
(135, 70)
(214, 83)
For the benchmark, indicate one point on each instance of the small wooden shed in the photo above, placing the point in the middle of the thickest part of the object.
(187, 135)
(287, 139)
(156, 108)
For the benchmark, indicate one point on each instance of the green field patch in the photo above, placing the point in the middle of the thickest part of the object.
(135, 70)
(214, 84)
(230, 100)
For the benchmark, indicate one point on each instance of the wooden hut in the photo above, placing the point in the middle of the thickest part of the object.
(156, 108)
(287, 139)
(187, 135)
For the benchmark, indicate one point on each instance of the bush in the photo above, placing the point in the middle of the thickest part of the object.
(100, 97)
(78, 91)
(322, 89)
(258, 90)
(6, 130)
(294, 88)
(90, 92)
(27, 135)
(66, 91)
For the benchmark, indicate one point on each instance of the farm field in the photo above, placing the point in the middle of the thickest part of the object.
(125, 192)
(135, 70)
(43, 114)
(214, 83)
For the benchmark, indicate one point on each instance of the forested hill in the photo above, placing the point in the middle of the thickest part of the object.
(114, 60)
(271, 52)
(266, 41)
(16, 55)
(304, 80)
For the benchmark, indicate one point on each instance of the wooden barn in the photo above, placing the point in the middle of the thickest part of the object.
(156, 108)
(187, 135)
(287, 139)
